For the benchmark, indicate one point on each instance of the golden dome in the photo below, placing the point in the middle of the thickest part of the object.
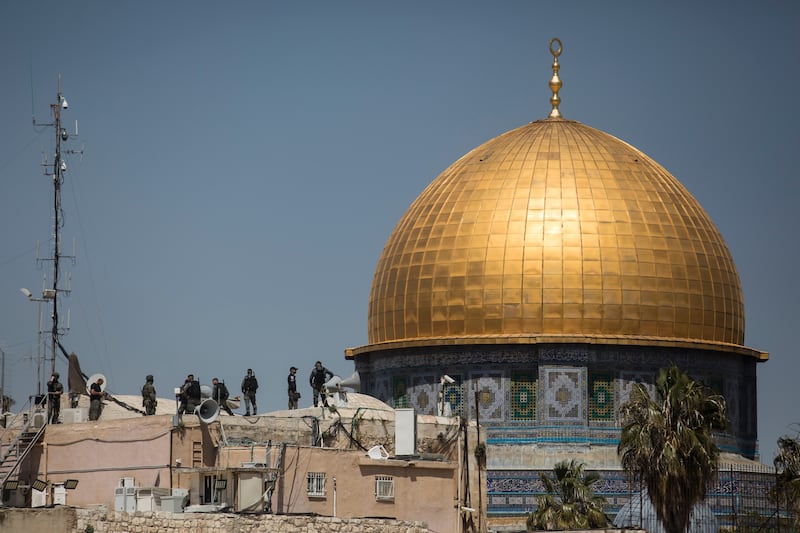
(556, 232)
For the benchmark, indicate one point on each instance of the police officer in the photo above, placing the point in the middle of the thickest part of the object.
(190, 393)
(54, 391)
(149, 400)
(319, 375)
(249, 388)
(291, 381)
(220, 395)
(95, 399)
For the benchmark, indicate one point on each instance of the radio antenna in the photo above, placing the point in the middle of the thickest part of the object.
(57, 169)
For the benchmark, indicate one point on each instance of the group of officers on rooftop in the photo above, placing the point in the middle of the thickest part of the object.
(189, 396)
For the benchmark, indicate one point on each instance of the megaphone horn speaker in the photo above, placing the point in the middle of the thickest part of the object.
(353, 382)
(332, 384)
(208, 411)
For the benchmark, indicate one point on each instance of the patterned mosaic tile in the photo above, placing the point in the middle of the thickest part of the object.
(601, 396)
(563, 394)
(491, 396)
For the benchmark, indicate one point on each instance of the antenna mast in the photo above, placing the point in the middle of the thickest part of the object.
(56, 169)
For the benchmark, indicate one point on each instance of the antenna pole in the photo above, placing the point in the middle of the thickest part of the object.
(59, 168)
(57, 180)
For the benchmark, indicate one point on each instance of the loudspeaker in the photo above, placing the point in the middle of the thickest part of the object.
(353, 382)
(332, 384)
(208, 411)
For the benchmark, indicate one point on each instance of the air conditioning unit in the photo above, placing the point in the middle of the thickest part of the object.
(18, 497)
(38, 498)
(125, 499)
(39, 419)
(405, 432)
(59, 494)
(74, 415)
(149, 498)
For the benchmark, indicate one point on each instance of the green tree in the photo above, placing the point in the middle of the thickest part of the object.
(787, 465)
(570, 502)
(667, 443)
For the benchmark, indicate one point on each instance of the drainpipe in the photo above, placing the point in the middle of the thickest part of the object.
(334, 497)
(459, 522)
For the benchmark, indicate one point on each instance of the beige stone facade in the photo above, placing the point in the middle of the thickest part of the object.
(310, 462)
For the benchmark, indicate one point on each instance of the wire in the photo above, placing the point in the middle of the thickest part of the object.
(105, 351)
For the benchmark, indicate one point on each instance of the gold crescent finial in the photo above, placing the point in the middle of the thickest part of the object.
(555, 81)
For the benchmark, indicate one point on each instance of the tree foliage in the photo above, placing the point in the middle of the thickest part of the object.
(787, 466)
(667, 443)
(570, 502)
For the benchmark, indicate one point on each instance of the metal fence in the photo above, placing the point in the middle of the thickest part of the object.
(750, 500)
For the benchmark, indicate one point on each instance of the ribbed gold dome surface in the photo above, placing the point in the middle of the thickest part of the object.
(555, 229)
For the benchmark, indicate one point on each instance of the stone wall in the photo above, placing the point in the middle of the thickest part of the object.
(51, 520)
(160, 522)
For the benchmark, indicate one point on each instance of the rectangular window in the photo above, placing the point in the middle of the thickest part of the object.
(208, 489)
(400, 392)
(523, 395)
(384, 488)
(452, 394)
(316, 485)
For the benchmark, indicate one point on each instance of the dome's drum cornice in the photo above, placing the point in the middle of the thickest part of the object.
(555, 229)
(600, 340)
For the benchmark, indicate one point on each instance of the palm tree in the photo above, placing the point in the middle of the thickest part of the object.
(787, 465)
(569, 502)
(667, 443)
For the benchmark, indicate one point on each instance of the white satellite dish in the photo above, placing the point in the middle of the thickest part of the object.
(93, 379)
(206, 391)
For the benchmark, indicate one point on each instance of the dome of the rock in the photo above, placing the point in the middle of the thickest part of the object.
(555, 229)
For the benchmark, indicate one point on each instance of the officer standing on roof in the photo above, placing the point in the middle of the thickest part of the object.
(220, 395)
(54, 391)
(319, 375)
(149, 400)
(291, 381)
(249, 388)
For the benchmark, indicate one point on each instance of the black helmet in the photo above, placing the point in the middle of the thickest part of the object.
(56, 375)
(149, 377)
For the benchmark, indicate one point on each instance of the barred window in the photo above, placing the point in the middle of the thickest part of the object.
(400, 392)
(601, 396)
(316, 485)
(523, 395)
(384, 488)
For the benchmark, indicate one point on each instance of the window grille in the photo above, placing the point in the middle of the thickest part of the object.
(384, 488)
(316, 485)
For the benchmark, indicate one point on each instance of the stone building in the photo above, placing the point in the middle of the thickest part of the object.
(338, 462)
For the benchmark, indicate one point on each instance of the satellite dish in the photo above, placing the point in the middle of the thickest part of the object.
(93, 379)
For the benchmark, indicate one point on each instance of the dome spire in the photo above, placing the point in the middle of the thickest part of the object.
(555, 81)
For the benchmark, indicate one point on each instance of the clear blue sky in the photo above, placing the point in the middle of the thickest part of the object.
(245, 162)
